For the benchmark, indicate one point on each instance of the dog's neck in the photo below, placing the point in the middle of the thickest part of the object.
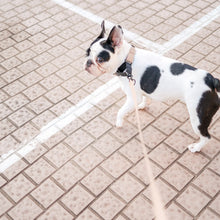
(126, 52)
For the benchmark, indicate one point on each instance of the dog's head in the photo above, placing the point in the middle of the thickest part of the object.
(104, 54)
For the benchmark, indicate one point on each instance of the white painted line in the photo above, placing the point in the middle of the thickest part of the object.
(81, 107)
(28, 148)
(96, 19)
(190, 31)
(103, 91)
(60, 122)
(174, 42)
(9, 162)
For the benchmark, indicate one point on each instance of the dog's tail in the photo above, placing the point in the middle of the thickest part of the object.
(216, 84)
(213, 83)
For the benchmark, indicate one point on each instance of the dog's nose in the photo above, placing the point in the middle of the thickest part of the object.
(89, 63)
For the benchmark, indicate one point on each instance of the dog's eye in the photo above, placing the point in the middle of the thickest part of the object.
(100, 60)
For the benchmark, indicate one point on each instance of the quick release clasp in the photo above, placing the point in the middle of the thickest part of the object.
(128, 72)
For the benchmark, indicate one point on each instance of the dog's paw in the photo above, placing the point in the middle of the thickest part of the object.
(194, 147)
(142, 105)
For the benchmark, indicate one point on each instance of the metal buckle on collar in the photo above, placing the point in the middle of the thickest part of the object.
(125, 69)
(132, 79)
(128, 72)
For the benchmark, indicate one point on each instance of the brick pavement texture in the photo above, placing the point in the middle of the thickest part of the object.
(90, 169)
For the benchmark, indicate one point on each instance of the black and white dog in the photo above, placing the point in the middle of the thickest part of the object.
(157, 77)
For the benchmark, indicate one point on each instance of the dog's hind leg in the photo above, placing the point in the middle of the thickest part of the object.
(201, 116)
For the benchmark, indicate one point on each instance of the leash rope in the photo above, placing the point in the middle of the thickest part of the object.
(157, 202)
(126, 70)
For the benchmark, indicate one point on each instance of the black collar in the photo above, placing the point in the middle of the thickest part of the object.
(125, 69)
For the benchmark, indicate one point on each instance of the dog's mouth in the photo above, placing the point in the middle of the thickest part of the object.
(88, 70)
(95, 70)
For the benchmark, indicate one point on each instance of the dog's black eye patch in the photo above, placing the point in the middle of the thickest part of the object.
(107, 46)
(104, 56)
(179, 68)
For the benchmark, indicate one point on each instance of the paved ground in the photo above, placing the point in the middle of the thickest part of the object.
(80, 165)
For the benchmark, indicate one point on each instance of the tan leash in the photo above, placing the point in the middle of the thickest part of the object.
(156, 198)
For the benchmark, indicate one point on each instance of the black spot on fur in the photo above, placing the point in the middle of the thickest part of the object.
(187, 66)
(104, 55)
(191, 84)
(208, 106)
(212, 82)
(107, 46)
(150, 79)
(179, 68)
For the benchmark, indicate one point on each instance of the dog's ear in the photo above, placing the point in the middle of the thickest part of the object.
(115, 37)
(102, 34)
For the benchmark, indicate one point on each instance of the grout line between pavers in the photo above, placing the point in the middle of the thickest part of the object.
(211, 210)
(201, 191)
(60, 30)
(5, 194)
(190, 183)
(183, 208)
(208, 207)
(43, 209)
(74, 112)
(190, 31)
(113, 153)
(116, 196)
(65, 207)
(97, 19)
(83, 177)
(88, 205)
(140, 194)
(106, 172)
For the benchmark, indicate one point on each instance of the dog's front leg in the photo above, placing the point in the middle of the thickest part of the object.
(142, 104)
(125, 109)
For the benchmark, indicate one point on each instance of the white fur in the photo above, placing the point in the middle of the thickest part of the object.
(170, 86)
